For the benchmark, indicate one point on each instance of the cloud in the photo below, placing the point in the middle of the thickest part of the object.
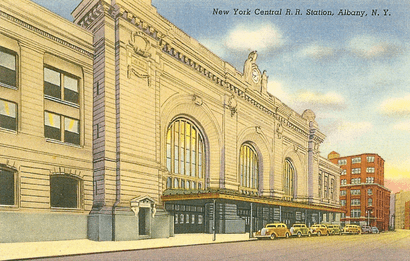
(214, 46)
(397, 169)
(316, 99)
(316, 51)
(402, 126)
(276, 89)
(399, 107)
(370, 47)
(244, 37)
(340, 132)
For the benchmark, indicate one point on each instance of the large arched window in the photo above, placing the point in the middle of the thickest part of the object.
(185, 155)
(248, 169)
(288, 178)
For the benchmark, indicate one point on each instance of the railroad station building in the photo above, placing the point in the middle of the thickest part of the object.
(363, 196)
(123, 127)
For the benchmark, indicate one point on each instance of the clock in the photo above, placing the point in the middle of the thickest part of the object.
(255, 75)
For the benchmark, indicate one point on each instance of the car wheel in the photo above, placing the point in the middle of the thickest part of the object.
(327, 233)
(272, 236)
(309, 234)
(319, 234)
(299, 234)
(287, 235)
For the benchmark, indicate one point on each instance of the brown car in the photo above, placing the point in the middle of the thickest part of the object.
(319, 230)
(273, 231)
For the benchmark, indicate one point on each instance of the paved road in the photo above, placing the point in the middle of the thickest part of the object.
(385, 246)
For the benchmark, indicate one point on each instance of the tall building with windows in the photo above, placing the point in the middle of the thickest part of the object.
(400, 209)
(363, 196)
(46, 78)
(127, 128)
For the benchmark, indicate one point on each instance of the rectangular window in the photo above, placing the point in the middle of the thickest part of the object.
(7, 187)
(8, 115)
(370, 170)
(61, 86)
(343, 193)
(343, 172)
(63, 192)
(52, 126)
(355, 202)
(356, 160)
(343, 182)
(356, 171)
(355, 213)
(8, 69)
(343, 202)
(71, 131)
(370, 158)
(369, 192)
(342, 162)
(370, 180)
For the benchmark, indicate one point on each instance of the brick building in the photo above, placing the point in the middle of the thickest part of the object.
(363, 196)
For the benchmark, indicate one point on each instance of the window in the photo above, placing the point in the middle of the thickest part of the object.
(60, 85)
(343, 193)
(185, 155)
(355, 202)
(370, 202)
(370, 180)
(356, 181)
(320, 184)
(370, 158)
(355, 213)
(7, 187)
(343, 182)
(343, 172)
(356, 160)
(355, 192)
(356, 171)
(288, 178)
(370, 192)
(8, 68)
(53, 128)
(342, 162)
(8, 115)
(370, 170)
(248, 168)
(343, 202)
(64, 191)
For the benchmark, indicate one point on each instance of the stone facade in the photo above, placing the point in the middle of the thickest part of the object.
(172, 139)
(45, 134)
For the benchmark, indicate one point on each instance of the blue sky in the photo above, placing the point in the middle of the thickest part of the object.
(352, 71)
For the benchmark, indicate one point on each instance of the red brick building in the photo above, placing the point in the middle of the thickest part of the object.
(363, 196)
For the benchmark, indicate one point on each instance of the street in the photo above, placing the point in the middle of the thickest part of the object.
(384, 246)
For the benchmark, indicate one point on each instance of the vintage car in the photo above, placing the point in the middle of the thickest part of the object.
(375, 230)
(273, 231)
(319, 229)
(366, 229)
(300, 230)
(333, 229)
(352, 229)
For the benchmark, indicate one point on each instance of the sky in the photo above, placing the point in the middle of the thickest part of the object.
(353, 71)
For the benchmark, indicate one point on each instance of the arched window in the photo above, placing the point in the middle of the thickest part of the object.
(288, 178)
(370, 202)
(64, 191)
(185, 154)
(248, 169)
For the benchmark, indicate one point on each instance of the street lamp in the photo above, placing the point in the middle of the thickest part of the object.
(368, 217)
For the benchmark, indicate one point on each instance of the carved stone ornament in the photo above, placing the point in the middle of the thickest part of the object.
(197, 100)
(143, 202)
(140, 44)
(232, 105)
(279, 130)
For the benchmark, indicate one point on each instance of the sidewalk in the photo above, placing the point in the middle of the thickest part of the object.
(72, 247)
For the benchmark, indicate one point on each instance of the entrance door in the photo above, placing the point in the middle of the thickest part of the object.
(142, 221)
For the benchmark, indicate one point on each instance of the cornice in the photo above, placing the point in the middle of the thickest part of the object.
(44, 33)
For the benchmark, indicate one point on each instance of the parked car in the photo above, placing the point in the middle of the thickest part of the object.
(366, 229)
(375, 230)
(300, 230)
(352, 229)
(319, 229)
(273, 231)
(333, 229)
